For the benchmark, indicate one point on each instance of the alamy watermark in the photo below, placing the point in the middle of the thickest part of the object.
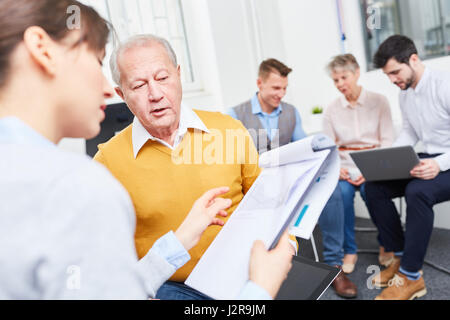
(73, 22)
(375, 271)
(232, 146)
(73, 281)
(373, 17)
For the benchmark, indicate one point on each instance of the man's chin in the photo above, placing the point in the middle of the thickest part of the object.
(406, 87)
(276, 104)
(163, 123)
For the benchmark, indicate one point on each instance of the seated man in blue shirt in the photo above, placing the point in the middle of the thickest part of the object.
(272, 124)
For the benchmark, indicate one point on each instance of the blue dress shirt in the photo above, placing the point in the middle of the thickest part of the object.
(270, 121)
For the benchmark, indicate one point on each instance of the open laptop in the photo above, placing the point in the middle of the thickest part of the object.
(386, 164)
(307, 280)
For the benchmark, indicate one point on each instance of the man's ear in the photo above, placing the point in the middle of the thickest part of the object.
(119, 92)
(41, 48)
(259, 82)
(179, 70)
(413, 60)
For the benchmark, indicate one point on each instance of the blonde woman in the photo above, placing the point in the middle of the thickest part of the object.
(358, 120)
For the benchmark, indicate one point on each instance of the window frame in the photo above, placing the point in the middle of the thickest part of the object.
(108, 9)
(400, 30)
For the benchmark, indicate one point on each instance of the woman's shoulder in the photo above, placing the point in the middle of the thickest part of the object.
(78, 170)
(376, 100)
(59, 178)
(372, 95)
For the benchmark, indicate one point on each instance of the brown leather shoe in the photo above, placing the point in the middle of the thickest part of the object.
(381, 280)
(344, 287)
(401, 288)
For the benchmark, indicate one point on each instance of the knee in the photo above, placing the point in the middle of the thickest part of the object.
(362, 192)
(374, 190)
(347, 190)
(336, 196)
(334, 206)
(417, 191)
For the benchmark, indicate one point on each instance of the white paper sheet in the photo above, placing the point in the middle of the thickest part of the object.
(316, 199)
(223, 269)
(287, 154)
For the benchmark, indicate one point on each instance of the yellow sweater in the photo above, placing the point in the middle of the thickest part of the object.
(164, 185)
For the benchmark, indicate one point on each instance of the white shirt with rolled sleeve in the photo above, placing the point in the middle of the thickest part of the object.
(426, 116)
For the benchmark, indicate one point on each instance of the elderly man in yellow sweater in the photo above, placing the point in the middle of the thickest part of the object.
(170, 155)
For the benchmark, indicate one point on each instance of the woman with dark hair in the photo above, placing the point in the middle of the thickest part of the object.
(66, 224)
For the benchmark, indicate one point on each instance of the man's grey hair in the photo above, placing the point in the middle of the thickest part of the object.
(138, 41)
(343, 62)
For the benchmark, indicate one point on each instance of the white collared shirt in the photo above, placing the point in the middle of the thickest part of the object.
(426, 115)
(188, 119)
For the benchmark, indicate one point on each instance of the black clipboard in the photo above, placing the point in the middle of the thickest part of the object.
(307, 280)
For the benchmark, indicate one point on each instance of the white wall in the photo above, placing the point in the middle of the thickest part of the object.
(204, 58)
(230, 30)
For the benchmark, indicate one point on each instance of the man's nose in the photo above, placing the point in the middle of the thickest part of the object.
(155, 93)
(393, 79)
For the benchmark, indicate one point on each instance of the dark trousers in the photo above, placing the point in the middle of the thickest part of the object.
(420, 196)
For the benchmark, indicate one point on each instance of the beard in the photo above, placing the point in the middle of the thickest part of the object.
(410, 81)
